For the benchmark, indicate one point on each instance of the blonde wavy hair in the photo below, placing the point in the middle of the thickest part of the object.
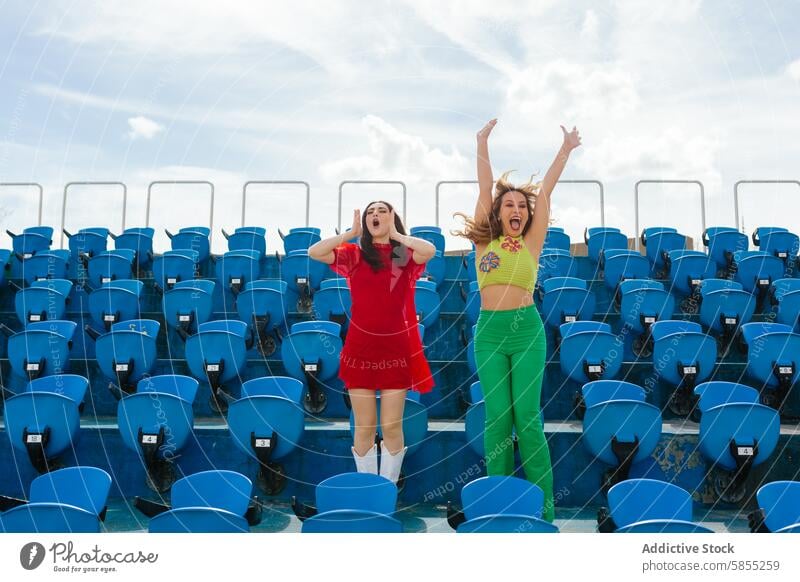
(490, 228)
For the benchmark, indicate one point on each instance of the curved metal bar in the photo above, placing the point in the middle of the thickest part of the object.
(28, 185)
(740, 182)
(395, 182)
(68, 185)
(636, 201)
(182, 183)
(278, 182)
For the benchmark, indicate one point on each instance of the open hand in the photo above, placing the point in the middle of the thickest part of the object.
(483, 134)
(355, 230)
(392, 228)
(572, 139)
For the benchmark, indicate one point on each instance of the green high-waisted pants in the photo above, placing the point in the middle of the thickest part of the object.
(510, 353)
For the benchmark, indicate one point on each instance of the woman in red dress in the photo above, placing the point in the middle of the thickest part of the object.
(383, 349)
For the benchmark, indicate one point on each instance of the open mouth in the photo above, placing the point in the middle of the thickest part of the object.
(515, 223)
(376, 223)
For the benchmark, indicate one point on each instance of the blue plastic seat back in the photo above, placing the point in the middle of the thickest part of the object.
(743, 423)
(148, 327)
(361, 491)
(203, 230)
(280, 386)
(262, 301)
(555, 263)
(89, 242)
(771, 351)
(184, 387)
(712, 285)
(216, 489)
(728, 306)
(780, 501)
(237, 268)
(723, 242)
(783, 287)
(330, 327)
(138, 240)
(638, 285)
(556, 239)
(110, 266)
(475, 393)
(690, 352)
(330, 301)
(718, 392)
(297, 268)
(84, 487)
(175, 266)
(193, 239)
(606, 390)
(185, 304)
(574, 327)
(789, 309)
(28, 244)
(333, 283)
(590, 352)
(48, 518)
(432, 234)
(660, 242)
(506, 524)
(625, 420)
(666, 327)
(248, 239)
(151, 414)
(469, 261)
(782, 244)
(72, 386)
(198, 520)
(757, 267)
(605, 239)
(267, 284)
(499, 495)
(204, 285)
(129, 348)
(650, 304)
(474, 425)
(254, 420)
(567, 304)
(33, 412)
(473, 307)
(753, 330)
(112, 304)
(300, 239)
(688, 268)
(351, 521)
(216, 348)
(428, 303)
(623, 265)
(635, 500)
(233, 326)
(38, 303)
(38, 351)
(555, 283)
(45, 265)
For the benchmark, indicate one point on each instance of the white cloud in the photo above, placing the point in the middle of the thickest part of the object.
(144, 128)
(793, 70)
(589, 28)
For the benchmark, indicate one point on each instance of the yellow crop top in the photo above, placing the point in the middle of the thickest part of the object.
(506, 261)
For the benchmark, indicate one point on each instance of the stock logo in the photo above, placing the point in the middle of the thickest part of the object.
(31, 555)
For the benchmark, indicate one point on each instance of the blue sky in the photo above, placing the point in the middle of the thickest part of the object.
(326, 92)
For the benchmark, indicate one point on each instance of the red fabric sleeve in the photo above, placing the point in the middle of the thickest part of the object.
(345, 258)
(421, 377)
(414, 270)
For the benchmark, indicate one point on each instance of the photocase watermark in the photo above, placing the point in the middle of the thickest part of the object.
(31, 555)
(67, 558)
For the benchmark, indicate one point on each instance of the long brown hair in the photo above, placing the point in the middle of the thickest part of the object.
(491, 227)
(400, 254)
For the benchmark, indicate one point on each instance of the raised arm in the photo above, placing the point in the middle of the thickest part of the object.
(541, 212)
(485, 179)
(422, 250)
(323, 250)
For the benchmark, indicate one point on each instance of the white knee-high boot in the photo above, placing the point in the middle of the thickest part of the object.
(369, 462)
(391, 464)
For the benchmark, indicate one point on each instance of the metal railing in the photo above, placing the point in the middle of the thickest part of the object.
(28, 185)
(636, 202)
(279, 183)
(182, 183)
(69, 185)
(376, 182)
(740, 182)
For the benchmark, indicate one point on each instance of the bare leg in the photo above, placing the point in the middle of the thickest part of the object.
(365, 413)
(392, 404)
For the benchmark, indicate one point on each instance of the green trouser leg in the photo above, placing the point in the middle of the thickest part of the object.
(495, 376)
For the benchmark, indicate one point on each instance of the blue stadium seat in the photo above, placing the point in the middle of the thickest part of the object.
(188, 304)
(621, 433)
(175, 266)
(724, 307)
(735, 438)
(206, 502)
(756, 270)
(566, 299)
(685, 270)
(310, 353)
(648, 506)
(235, 269)
(247, 238)
(718, 392)
(432, 234)
(503, 505)
(44, 264)
(469, 265)
(435, 270)
(777, 241)
(87, 242)
(43, 421)
(301, 238)
(475, 419)
(642, 303)
(5, 256)
(600, 239)
(778, 508)
(617, 265)
(303, 275)
(600, 391)
(333, 302)
(267, 424)
(683, 356)
(32, 240)
(555, 263)
(354, 502)
(156, 422)
(41, 349)
(217, 354)
(140, 241)
(556, 239)
(71, 500)
(772, 360)
(110, 266)
(658, 242)
(471, 363)
(722, 242)
(114, 302)
(427, 303)
(589, 351)
(42, 301)
(126, 353)
(191, 238)
(473, 301)
(785, 296)
(263, 306)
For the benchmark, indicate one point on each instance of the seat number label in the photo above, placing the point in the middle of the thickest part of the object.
(263, 443)
(745, 451)
(570, 318)
(690, 369)
(212, 368)
(595, 369)
(32, 367)
(33, 438)
(121, 367)
(149, 439)
(785, 370)
(310, 367)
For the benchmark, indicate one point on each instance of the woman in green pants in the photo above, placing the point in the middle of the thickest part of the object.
(508, 230)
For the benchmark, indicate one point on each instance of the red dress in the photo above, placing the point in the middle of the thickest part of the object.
(383, 349)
